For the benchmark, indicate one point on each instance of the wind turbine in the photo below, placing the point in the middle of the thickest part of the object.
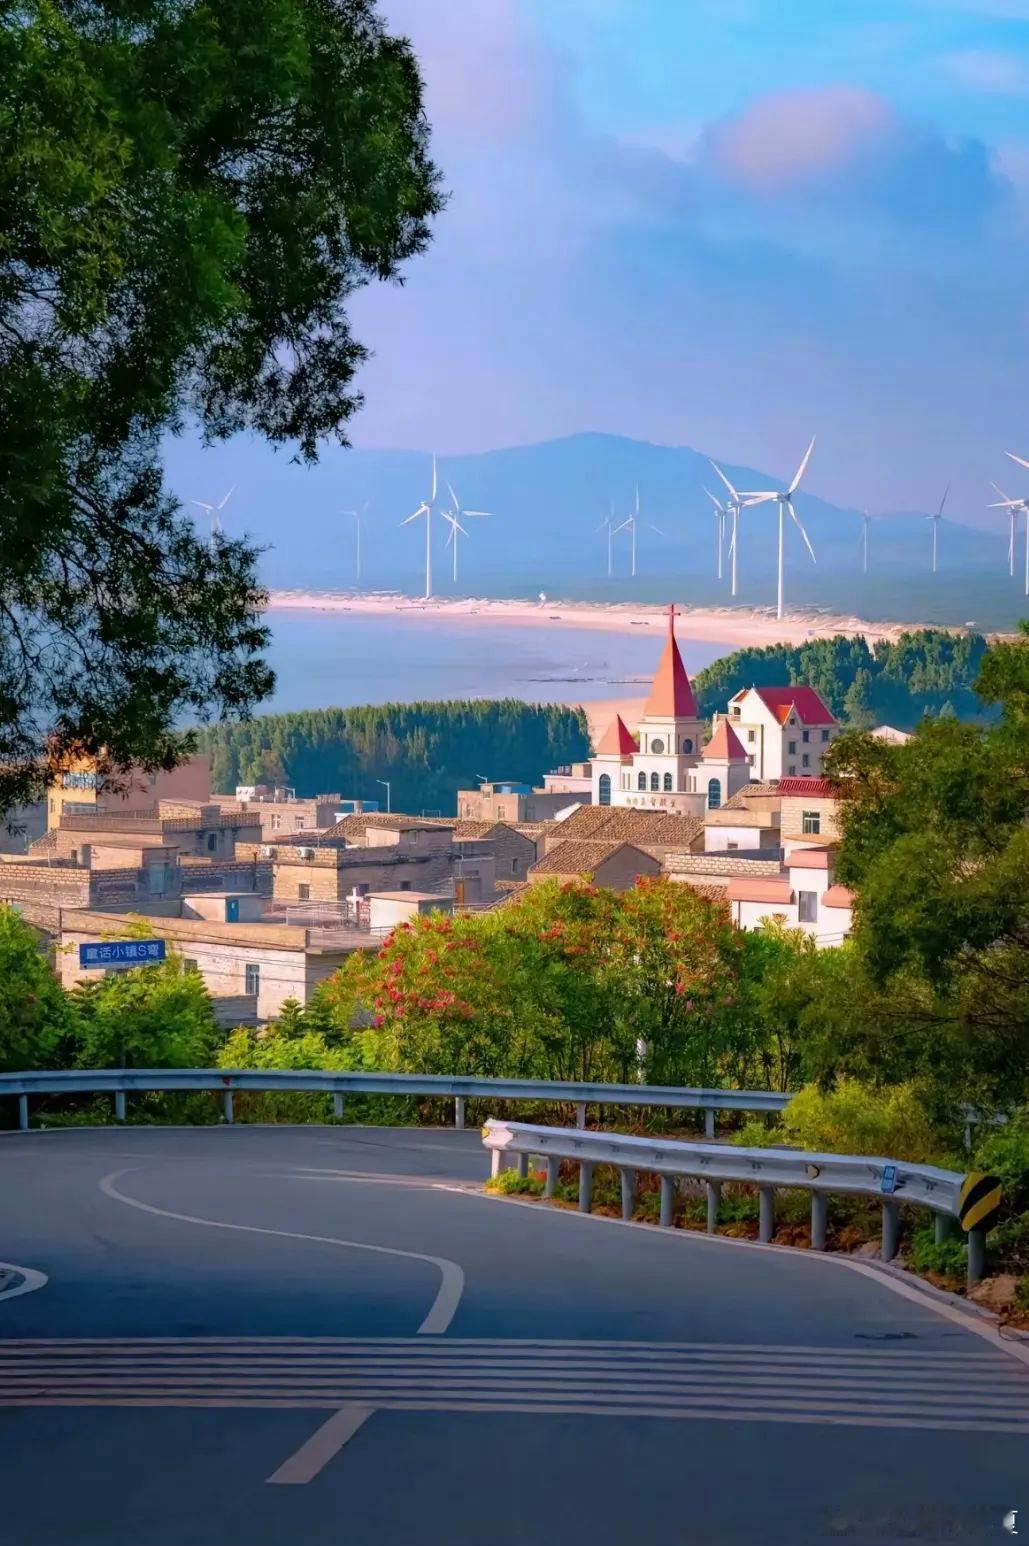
(720, 514)
(1012, 506)
(426, 508)
(784, 499)
(608, 525)
(735, 505)
(214, 511)
(1023, 463)
(358, 517)
(866, 521)
(935, 518)
(632, 524)
(452, 516)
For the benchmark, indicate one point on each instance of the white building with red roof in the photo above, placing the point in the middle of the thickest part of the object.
(785, 732)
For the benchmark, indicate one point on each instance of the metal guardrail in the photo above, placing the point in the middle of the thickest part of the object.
(892, 1181)
(119, 1081)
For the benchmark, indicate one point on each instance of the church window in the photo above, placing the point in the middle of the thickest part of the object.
(657, 745)
(655, 782)
(604, 789)
(714, 794)
(687, 743)
(641, 782)
(668, 783)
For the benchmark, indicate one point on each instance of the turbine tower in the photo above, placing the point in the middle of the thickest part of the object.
(1013, 507)
(720, 514)
(608, 525)
(453, 519)
(426, 508)
(1023, 463)
(866, 521)
(935, 518)
(734, 506)
(784, 499)
(632, 525)
(358, 518)
(214, 511)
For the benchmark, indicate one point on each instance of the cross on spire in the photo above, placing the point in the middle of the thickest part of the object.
(671, 614)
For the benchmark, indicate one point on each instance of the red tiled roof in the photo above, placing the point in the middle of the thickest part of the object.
(819, 788)
(838, 896)
(671, 696)
(811, 859)
(617, 740)
(745, 890)
(808, 704)
(725, 744)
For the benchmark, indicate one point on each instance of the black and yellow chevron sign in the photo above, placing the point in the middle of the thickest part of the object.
(978, 1200)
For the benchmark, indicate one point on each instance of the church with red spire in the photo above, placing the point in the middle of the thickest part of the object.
(670, 768)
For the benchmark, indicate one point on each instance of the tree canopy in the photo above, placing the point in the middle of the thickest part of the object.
(426, 750)
(189, 194)
(925, 671)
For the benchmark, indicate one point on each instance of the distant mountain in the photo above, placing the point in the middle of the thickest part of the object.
(547, 501)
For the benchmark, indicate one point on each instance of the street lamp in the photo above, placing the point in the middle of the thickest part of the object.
(386, 785)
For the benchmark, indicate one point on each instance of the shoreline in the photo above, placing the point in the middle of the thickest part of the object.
(733, 627)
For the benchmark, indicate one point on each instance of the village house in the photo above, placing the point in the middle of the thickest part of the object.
(784, 732)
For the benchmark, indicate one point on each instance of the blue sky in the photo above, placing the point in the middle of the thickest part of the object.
(724, 223)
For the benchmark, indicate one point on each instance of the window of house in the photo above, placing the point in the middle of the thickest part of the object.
(189, 964)
(805, 761)
(604, 789)
(736, 711)
(252, 985)
(655, 782)
(732, 845)
(668, 783)
(714, 794)
(298, 823)
(825, 735)
(405, 885)
(791, 747)
(303, 893)
(276, 821)
(811, 822)
(641, 782)
(807, 906)
(514, 866)
(791, 770)
(751, 735)
(805, 735)
(212, 842)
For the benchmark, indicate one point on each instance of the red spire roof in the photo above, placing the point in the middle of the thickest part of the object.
(725, 744)
(671, 696)
(617, 740)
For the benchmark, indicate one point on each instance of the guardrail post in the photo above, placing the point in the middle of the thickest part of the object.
(585, 1185)
(119, 1105)
(819, 1212)
(494, 1164)
(580, 1113)
(23, 1112)
(227, 1105)
(943, 1227)
(523, 1166)
(766, 1214)
(553, 1171)
(338, 1103)
(459, 1112)
(714, 1197)
(628, 1193)
(976, 1255)
(891, 1231)
(667, 1201)
(709, 1122)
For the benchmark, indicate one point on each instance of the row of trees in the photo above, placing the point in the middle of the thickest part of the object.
(926, 672)
(426, 750)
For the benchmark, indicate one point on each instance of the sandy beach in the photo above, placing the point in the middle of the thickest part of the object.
(736, 627)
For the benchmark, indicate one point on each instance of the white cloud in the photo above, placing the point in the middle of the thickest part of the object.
(987, 70)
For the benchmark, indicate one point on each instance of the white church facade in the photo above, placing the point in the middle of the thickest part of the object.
(669, 767)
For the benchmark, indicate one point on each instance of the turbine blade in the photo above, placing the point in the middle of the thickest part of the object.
(203, 505)
(228, 496)
(796, 521)
(800, 470)
(422, 510)
(758, 499)
(476, 512)
(943, 501)
(434, 479)
(1019, 459)
(654, 528)
(724, 479)
(457, 502)
(622, 527)
(716, 502)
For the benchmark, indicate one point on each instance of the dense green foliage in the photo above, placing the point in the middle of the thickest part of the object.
(190, 190)
(929, 671)
(426, 750)
(34, 1012)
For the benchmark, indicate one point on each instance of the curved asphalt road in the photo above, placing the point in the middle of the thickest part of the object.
(372, 1352)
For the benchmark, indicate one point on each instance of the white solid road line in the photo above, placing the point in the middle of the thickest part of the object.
(324, 1443)
(444, 1306)
(32, 1279)
(329, 1439)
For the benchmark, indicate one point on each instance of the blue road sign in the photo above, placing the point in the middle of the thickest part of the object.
(121, 952)
(889, 1180)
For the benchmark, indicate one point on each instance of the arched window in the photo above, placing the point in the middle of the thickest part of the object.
(687, 744)
(668, 783)
(655, 782)
(641, 782)
(714, 794)
(604, 789)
